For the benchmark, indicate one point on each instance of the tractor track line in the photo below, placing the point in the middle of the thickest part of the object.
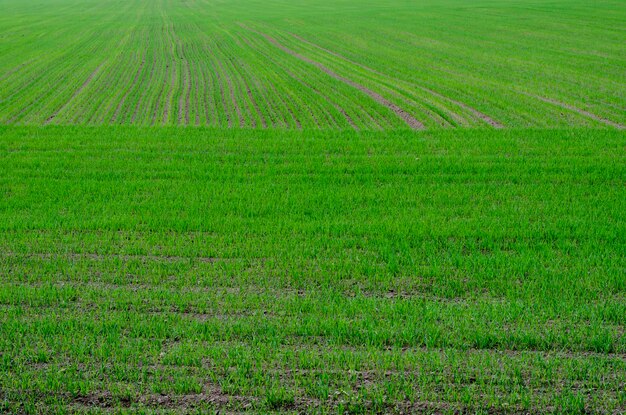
(234, 81)
(198, 81)
(188, 94)
(474, 111)
(577, 110)
(286, 103)
(408, 118)
(339, 108)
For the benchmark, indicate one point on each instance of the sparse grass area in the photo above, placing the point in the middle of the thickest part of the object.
(180, 270)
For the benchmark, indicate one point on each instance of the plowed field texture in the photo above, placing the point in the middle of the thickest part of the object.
(321, 206)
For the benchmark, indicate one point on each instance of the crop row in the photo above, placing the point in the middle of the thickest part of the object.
(195, 63)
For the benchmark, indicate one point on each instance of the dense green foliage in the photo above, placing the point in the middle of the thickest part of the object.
(176, 269)
(313, 64)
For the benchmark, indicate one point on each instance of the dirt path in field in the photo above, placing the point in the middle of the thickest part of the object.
(75, 94)
(578, 111)
(474, 111)
(408, 118)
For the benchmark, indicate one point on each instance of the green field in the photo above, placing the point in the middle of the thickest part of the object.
(312, 207)
(314, 64)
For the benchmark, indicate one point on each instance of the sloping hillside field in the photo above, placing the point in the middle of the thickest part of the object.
(312, 207)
